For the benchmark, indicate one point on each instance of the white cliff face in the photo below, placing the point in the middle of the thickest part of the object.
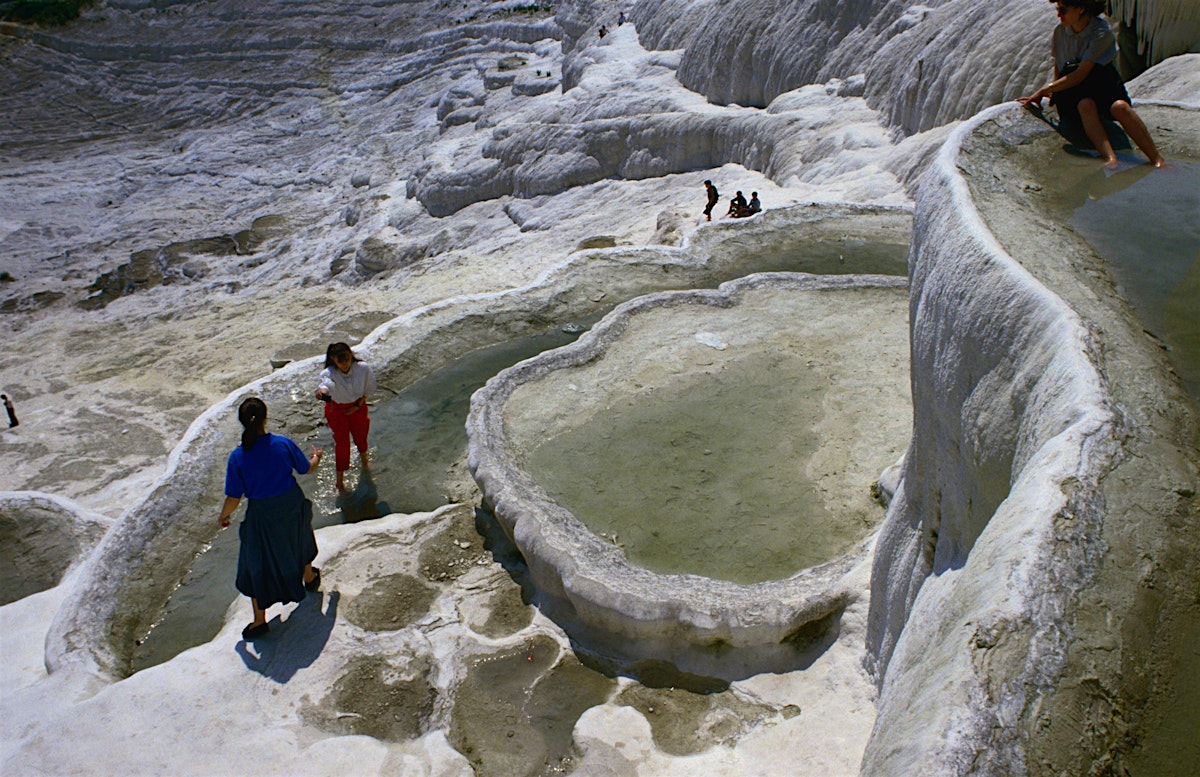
(1162, 28)
(971, 535)
(926, 63)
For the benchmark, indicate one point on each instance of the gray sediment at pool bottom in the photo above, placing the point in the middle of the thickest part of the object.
(121, 587)
(624, 614)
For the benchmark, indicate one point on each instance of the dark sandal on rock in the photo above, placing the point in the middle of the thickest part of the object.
(315, 583)
(253, 632)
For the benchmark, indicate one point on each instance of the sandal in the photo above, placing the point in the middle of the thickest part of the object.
(315, 583)
(253, 632)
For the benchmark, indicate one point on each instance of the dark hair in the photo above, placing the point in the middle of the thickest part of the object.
(1090, 7)
(252, 414)
(338, 349)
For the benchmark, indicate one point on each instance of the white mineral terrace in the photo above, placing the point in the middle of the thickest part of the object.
(195, 193)
(690, 481)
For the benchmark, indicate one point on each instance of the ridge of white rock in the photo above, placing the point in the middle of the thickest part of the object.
(818, 133)
(971, 536)
(43, 537)
(926, 62)
(1003, 591)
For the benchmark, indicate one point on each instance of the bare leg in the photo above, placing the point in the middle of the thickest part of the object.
(341, 481)
(366, 461)
(260, 615)
(308, 573)
(1127, 117)
(1090, 117)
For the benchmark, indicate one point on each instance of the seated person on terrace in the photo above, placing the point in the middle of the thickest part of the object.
(1086, 87)
(737, 206)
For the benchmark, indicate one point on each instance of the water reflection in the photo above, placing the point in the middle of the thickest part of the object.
(1146, 224)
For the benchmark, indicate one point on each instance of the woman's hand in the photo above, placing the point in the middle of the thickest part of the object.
(1034, 99)
(227, 511)
(315, 458)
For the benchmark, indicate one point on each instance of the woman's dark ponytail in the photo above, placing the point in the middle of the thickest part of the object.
(252, 414)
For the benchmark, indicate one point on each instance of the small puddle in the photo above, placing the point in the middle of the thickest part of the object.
(1146, 224)
(706, 476)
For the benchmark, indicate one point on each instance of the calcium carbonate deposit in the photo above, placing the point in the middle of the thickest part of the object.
(198, 196)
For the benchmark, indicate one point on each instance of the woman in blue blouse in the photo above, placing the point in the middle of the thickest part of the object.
(277, 541)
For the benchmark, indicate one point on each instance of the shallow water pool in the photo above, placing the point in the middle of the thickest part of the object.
(1145, 223)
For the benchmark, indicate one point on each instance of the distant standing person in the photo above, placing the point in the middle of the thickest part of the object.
(12, 412)
(277, 541)
(713, 198)
(620, 18)
(1087, 88)
(346, 382)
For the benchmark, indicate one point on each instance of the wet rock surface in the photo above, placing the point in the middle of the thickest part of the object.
(178, 262)
(390, 602)
(528, 699)
(685, 723)
(454, 551)
(377, 698)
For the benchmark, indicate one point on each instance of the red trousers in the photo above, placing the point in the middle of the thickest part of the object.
(343, 426)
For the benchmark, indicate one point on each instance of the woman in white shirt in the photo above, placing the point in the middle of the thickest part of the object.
(345, 384)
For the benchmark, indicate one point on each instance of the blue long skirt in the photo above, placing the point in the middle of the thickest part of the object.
(277, 541)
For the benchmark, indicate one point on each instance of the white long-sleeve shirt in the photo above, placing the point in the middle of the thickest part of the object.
(347, 387)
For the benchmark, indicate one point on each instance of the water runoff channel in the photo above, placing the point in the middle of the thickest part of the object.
(419, 434)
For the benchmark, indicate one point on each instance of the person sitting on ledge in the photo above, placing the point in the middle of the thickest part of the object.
(1087, 88)
(755, 206)
(737, 206)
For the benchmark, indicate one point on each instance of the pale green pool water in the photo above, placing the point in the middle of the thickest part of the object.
(707, 476)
